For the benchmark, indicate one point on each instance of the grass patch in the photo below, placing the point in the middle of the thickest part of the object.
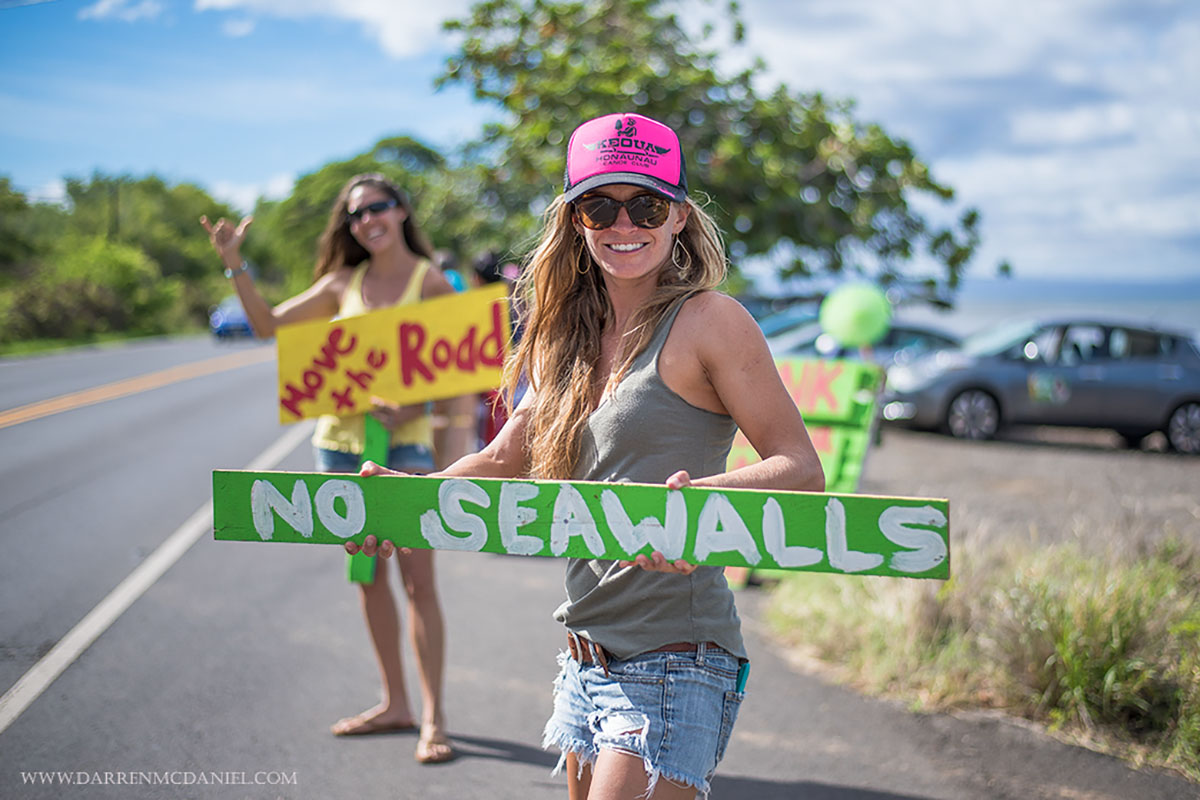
(1104, 650)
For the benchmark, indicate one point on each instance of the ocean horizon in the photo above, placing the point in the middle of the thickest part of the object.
(983, 302)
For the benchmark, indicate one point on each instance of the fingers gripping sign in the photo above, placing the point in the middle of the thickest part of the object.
(372, 546)
(656, 561)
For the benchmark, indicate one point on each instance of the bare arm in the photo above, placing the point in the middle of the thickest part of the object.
(319, 301)
(740, 369)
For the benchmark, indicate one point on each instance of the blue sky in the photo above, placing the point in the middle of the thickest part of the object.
(1073, 125)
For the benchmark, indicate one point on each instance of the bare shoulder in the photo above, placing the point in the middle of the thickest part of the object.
(717, 318)
(435, 283)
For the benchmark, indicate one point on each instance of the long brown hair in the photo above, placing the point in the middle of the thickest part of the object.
(338, 248)
(566, 308)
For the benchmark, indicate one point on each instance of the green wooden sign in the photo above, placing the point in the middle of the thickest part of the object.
(896, 536)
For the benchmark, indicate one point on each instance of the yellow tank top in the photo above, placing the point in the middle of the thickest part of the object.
(347, 434)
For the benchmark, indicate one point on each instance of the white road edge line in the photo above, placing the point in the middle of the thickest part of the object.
(39, 677)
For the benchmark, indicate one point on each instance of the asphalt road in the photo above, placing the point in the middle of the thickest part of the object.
(232, 664)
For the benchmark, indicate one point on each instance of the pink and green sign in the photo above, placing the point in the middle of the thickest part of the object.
(838, 400)
(850, 534)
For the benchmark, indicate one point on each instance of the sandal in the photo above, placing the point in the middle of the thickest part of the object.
(362, 725)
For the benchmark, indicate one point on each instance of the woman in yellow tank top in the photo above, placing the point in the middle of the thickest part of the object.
(372, 255)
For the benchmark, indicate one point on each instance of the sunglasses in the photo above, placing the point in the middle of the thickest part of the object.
(374, 209)
(597, 211)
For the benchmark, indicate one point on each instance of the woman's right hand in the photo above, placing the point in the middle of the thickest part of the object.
(372, 546)
(227, 239)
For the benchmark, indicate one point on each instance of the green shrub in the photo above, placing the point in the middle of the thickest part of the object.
(92, 286)
(1108, 648)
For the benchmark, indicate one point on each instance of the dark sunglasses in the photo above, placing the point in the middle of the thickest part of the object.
(597, 211)
(374, 209)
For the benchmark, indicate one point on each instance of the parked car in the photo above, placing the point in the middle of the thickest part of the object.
(787, 319)
(902, 343)
(1076, 372)
(228, 319)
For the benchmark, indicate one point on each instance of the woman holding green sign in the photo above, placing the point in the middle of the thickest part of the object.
(640, 371)
(373, 255)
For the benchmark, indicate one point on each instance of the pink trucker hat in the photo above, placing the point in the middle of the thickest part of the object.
(625, 148)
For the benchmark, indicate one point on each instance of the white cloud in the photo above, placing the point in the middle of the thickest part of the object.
(237, 28)
(1074, 125)
(243, 196)
(124, 10)
(403, 30)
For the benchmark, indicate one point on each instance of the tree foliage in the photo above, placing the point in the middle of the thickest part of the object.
(794, 176)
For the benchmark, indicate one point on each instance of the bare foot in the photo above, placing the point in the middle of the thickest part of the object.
(433, 747)
(374, 720)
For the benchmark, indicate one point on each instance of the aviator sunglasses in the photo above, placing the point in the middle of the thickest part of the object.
(374, 209)
(597, 211)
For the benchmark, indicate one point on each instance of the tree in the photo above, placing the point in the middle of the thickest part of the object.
(453, 206)
(795, 176)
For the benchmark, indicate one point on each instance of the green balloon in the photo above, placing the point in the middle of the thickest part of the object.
(856, 314)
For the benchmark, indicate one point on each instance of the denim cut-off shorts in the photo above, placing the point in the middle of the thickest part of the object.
(674, 710)
(405, 457)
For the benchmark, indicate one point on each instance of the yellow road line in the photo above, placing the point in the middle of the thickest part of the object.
(142, 383)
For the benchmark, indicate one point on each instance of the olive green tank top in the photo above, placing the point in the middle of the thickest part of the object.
(643, 432)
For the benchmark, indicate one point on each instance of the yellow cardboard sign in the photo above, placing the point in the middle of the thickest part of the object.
(451, 345)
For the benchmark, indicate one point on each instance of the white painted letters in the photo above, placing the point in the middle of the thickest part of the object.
(775, 540)
(668, 539)
(840, 555)
(356, 508)
(926, 549)
(451, 494)
(512, 516)
(264, 498)
(720, 529)
(571, 517)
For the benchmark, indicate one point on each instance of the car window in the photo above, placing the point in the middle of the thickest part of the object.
(1081, 344)
(1134, 344)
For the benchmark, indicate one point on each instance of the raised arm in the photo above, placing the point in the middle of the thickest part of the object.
(319, 301)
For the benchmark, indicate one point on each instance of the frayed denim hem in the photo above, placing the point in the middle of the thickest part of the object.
(586, 757)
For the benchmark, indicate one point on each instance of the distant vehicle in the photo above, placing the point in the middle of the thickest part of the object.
(228, 320)
(787, 319)
(902, 343)
(1072, 372)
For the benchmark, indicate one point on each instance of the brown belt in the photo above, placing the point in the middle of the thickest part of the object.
(585, 651)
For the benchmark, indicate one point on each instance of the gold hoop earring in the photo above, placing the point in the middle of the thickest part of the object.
(675, 259)
(578, 251)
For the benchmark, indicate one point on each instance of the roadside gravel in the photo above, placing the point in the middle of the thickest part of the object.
(1042, 485)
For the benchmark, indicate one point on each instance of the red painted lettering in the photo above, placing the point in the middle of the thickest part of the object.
(443, 353)
(312, 381)
(333, 348)
(491, 349)
(412, 339)
(363, 379)
(344, 400)
(464, 357)
(376, 358)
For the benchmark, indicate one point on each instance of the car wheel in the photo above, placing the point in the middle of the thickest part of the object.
(973, 414)
(1183, 429)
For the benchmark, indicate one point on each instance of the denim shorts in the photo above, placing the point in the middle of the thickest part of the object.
(674, 710)
(404, 457)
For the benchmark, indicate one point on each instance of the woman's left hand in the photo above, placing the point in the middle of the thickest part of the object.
(391, 415)
(656, 561)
